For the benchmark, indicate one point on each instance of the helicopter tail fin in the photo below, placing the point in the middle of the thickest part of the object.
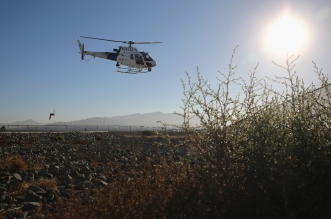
(81, 47)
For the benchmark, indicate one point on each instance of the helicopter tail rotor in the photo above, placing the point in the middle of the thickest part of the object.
(81, 48)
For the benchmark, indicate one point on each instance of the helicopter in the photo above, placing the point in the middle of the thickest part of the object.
(130, 57)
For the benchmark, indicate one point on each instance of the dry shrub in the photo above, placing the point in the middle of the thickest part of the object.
(14, 163)
(40, 159)
(97, 137)
(58, 137)
(4, 141)
(3, 214)
(44, 183)
(81, 141)
(7, 140)
(267, 149)
(94, 161)
(31, 141)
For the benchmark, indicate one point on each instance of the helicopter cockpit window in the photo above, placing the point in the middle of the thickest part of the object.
(131, 56)
(147, 57)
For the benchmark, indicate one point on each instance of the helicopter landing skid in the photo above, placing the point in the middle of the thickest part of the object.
(130, 70)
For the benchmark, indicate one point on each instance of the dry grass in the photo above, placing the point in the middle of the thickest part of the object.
(44, 183)
(7, 140)
(14, 164)
(82, 142)
(97, 137)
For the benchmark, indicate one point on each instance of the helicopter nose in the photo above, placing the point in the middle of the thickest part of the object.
(151, 63)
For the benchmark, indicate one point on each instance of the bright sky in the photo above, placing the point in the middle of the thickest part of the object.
(41, 71)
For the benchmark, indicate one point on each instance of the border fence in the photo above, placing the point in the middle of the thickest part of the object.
(79, 128)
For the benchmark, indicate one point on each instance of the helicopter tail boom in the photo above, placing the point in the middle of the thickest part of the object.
(81, 47)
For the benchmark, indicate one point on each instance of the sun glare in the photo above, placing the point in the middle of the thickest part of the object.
(287, 35)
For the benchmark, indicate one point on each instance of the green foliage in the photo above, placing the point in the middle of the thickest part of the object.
(3, 129)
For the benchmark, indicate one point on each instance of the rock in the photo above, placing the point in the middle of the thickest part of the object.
(49, 176)
(3, 190)
(86, 169)
(21, 215)
(88, 183)
(79, 177)
(17, 176)
(102, 182)
(102, 177)
(49, 195)
(21, 198)
(89, 177)
(32, 197)
(37, 189)
(28, 206)
(54, 170)
(74, 172)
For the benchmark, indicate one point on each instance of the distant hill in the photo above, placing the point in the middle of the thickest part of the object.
(27, 122)
(145, 119)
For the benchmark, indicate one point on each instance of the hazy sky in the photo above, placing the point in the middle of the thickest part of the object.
(41, 70)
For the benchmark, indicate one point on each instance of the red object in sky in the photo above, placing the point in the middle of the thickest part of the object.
(50, 115)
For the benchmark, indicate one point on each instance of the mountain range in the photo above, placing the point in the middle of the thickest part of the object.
(145, 119)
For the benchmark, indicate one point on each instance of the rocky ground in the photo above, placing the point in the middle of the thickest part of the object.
(37, 168)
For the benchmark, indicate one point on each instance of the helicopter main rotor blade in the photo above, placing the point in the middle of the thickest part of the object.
(103, 39)
(145, 42)
(127, 42)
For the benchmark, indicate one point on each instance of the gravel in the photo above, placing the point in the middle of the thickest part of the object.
(71, 159)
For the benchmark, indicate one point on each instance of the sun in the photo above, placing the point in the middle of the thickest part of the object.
(286, 36)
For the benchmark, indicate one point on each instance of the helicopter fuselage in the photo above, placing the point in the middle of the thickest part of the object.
(128, 56)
